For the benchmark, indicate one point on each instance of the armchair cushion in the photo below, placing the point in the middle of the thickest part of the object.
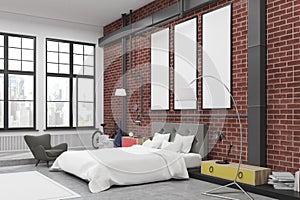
(54, 152)
(63, 146)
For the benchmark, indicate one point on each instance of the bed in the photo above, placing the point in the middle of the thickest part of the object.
(103, 168)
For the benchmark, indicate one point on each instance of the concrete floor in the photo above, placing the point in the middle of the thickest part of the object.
(176, 190)
(16, 158)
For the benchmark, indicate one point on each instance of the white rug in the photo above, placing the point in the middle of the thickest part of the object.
(32, 185)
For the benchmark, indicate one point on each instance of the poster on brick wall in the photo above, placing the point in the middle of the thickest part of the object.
(185, 65)
(160, 70)
(216, 59)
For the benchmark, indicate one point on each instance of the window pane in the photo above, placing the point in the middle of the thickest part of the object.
(64, 47)
(85, 89)
(14, 54)
(88, 50)
(20, 87)
(64, 58)
(1, 64)
(52, 57)
(85, 114)
(1, 87)
(27, 55)
(14, 65)
(20, 114)
(64, 69)
(58, 114)
(1, 52)
(89, 60)
(52, 46)
(27, 43)
(78, 48)
(58, 89)
(52, 68)
(74, 102)
(27, 66)
(1, 40)
(1, 114)
(14, 41)
(78, 69)
(89, 71)
(78, 59)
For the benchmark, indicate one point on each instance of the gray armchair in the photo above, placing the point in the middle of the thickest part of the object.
(41, 148)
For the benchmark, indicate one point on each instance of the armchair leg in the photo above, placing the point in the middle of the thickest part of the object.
(47, 163)
(37, 162)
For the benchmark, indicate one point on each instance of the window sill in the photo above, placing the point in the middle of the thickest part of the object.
(70, 129)
(19, 130)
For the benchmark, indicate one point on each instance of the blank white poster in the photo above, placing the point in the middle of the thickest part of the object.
(160, 70)
(216, 58)
(185, 64)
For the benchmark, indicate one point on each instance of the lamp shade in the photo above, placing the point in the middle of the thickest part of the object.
(137, 119)
(121, 92)
(219, 136)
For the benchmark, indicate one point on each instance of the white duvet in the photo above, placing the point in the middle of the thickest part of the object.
(122, 166)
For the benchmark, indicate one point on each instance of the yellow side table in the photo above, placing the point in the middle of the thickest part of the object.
(248, 174)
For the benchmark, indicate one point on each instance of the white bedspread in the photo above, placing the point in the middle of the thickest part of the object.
(122, 166)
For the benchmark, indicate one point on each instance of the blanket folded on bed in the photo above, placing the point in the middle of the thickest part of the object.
(122, 166)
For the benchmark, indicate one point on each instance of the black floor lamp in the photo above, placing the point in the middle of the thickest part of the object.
(120, 92)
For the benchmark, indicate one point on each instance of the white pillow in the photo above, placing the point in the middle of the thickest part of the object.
(165, 144)
(186, 141)
(147, 143)
(161, 137)
(171, 146)
(151, 144)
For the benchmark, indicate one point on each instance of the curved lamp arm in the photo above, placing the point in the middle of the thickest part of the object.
(238, 114)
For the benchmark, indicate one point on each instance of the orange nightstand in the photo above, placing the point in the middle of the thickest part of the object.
(129, 141)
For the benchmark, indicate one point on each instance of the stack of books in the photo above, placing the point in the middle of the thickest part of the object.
(282, 180)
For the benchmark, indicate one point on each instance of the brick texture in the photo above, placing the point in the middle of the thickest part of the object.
(283, 85)
(283, 80)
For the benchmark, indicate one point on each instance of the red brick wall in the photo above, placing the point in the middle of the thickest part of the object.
(141, 64)
(283, 84)
(283, 79)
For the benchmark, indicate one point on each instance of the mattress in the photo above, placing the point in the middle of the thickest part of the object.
(103, 168)
(192, 160)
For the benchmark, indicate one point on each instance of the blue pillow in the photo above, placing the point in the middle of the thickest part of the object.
(118, 139)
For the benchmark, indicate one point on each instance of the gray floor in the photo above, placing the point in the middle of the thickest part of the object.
(189, 189)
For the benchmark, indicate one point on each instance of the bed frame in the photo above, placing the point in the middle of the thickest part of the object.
(199, 130)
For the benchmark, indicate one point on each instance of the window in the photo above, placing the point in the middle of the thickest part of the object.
(70, 84)
(17, 81)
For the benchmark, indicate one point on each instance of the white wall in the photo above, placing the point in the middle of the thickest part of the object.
(47, 28)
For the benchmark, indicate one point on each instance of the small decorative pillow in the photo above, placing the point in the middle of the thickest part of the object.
(186, 141)
(147, 143)
(151, 144)
(161, 137)
(171, 146)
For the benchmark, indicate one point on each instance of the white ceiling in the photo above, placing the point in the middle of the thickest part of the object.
(90, 12)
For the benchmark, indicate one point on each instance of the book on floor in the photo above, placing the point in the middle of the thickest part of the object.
(282, 180)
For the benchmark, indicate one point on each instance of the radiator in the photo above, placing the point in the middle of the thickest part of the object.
(17, 142)
(12, 143)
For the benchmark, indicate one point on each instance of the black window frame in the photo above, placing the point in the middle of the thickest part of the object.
(6, 72)
(71, 76)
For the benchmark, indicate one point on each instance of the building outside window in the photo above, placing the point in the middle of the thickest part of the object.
(17, 81)
(70, 84)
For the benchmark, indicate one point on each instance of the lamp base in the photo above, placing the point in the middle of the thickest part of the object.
(222, 162)
(211, 194)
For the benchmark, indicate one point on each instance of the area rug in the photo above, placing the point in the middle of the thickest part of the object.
(32, 185)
